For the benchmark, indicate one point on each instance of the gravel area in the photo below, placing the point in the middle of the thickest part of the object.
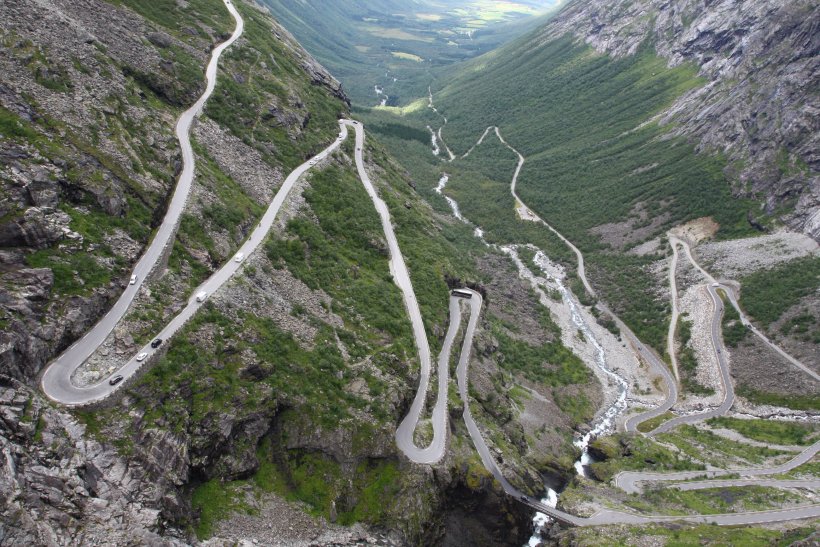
(619, 358)
(696, 307)
(240, 162)
(739, 257)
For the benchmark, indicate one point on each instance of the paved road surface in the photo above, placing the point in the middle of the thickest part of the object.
(744, 319)
(629, 481)
(57, 383)
(56, 379)
(609, 516)
(398, 269)
(725, 376)
(717, 341)
(647, 354)
(673, 321)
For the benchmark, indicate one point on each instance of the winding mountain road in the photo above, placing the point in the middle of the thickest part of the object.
(743, 317)
(647, 354)
(725, 376)
(56, 381)
(673, 322)
(401, 277)
(629, 480)
(716, 337)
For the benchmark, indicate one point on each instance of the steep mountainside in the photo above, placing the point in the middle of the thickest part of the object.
(289, 382)
(760, 105)
(88, 101)
(662, 126)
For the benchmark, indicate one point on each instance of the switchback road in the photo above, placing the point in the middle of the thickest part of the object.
(401, 277)
(626, 481)
(629, 481)
(743, 318)
(56, 380)
(725, 376)
(608, 516)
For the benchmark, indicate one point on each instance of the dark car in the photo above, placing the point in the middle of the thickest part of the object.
(155, 344)
(115, 380)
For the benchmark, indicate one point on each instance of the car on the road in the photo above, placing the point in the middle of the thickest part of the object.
(115, 380)
(156, 343)
(312, 162)
(141, 357)
(239, 257)
(201, 296)
(133, 279)
(716, 284)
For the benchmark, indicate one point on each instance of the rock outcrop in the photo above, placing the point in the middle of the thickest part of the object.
(58, 486)
(760, 105)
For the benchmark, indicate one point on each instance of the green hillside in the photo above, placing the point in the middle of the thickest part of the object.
(595, 158)
(578, 118)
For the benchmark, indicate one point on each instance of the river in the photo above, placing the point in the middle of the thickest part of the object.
(605, 422)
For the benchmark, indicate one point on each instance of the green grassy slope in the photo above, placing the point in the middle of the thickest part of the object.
(595, 155)
(577, 116)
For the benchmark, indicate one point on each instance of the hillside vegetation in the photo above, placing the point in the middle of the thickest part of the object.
(595, 159)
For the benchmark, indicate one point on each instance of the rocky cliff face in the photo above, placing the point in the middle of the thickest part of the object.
(760, 105)
(60, 487)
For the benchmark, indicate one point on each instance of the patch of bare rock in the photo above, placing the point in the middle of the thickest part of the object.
(275, 522)
(739, 257)
(61, 487)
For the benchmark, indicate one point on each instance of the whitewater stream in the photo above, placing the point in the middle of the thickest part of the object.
(605, 422)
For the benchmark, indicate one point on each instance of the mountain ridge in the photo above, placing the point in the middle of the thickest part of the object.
(760, 107)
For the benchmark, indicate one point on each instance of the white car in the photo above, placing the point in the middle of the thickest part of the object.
(313, 162)
(239, 257)
(141, 357)
(133, 280)
(201, 296)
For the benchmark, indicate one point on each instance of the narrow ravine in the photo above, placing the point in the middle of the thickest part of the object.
(605, 423)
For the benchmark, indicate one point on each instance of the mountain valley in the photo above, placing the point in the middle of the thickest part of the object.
(503, 273)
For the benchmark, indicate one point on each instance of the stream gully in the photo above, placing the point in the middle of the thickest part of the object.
(552, 275)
